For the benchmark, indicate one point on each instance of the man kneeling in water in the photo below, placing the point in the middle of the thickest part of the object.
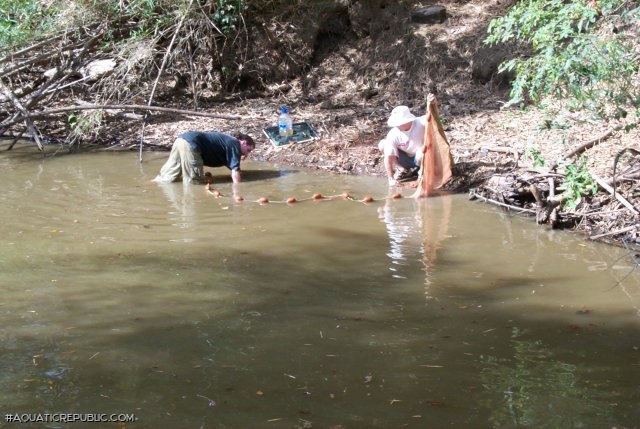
(193, 150)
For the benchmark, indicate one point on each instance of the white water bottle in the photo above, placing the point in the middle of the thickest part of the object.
(285, 124)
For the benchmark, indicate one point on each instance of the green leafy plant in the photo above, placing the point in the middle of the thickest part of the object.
(20, 20)
(534, 155)
(84, 124)
(578, 182)
(582, 53)
(227, 14)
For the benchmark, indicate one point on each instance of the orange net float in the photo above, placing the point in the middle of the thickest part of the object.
(345, 195)
(292, 200)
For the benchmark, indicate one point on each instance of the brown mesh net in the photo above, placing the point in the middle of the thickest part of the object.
(436, 163)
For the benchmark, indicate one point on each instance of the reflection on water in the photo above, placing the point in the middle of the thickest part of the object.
(531, 379)
(181, 199)
(404, 233)
(415, 232)
(125, 296)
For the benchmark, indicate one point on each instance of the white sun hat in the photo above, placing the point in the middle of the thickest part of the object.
(400, 115)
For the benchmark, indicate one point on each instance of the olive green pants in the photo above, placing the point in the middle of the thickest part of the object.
(183, 163)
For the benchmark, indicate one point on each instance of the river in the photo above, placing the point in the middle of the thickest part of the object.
(164, 306)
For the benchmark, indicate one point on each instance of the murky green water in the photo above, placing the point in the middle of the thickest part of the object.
(122, 296)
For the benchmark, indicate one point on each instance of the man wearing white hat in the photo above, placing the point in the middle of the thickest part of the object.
(402, 147)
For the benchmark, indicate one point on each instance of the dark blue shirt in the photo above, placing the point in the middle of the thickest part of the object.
(217, 149)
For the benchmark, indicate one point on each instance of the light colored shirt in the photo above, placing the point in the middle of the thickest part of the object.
(409, 142)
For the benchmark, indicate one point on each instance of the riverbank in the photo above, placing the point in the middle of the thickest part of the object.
(342, 68)
(503, 157)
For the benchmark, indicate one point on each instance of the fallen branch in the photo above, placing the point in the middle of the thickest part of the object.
(615, 164)
(556, 200)
(553, 214)
(162, 66)
(502, 149)
(616, 232)
(586, 146)
(537, 194)
(11, 56)
(602, 212)
(28, 122)
(540, 175)
(52, 112)
(617, 195)
(622, 178)
(498, 203)
(44, 57)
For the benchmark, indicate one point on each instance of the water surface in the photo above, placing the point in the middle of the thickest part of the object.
(124, 296)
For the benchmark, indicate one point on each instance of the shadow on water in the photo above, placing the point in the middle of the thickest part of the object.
(193, 311)
(289, 352)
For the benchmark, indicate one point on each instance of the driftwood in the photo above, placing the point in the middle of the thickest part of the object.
(48, 72)
(585, 146)
(616, 232)
(55, 111)
(537, 194)
(474, 195)
(28, 122)
(619, 197)
(85, 46)
(38, 87)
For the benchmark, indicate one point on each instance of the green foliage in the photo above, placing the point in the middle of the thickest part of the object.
(144, 9)
(525, 379)
(227, 14)
(24, 20)
(583, 52)
(533, 154)
(578, 182)
(21, 19)
(84, 124)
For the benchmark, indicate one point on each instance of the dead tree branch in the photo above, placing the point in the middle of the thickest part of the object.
(53, 112)
(619, 197)
(28, 122)
(585, 146)
(162, 66)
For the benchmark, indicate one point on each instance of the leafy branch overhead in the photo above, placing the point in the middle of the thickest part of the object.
(583, 53)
